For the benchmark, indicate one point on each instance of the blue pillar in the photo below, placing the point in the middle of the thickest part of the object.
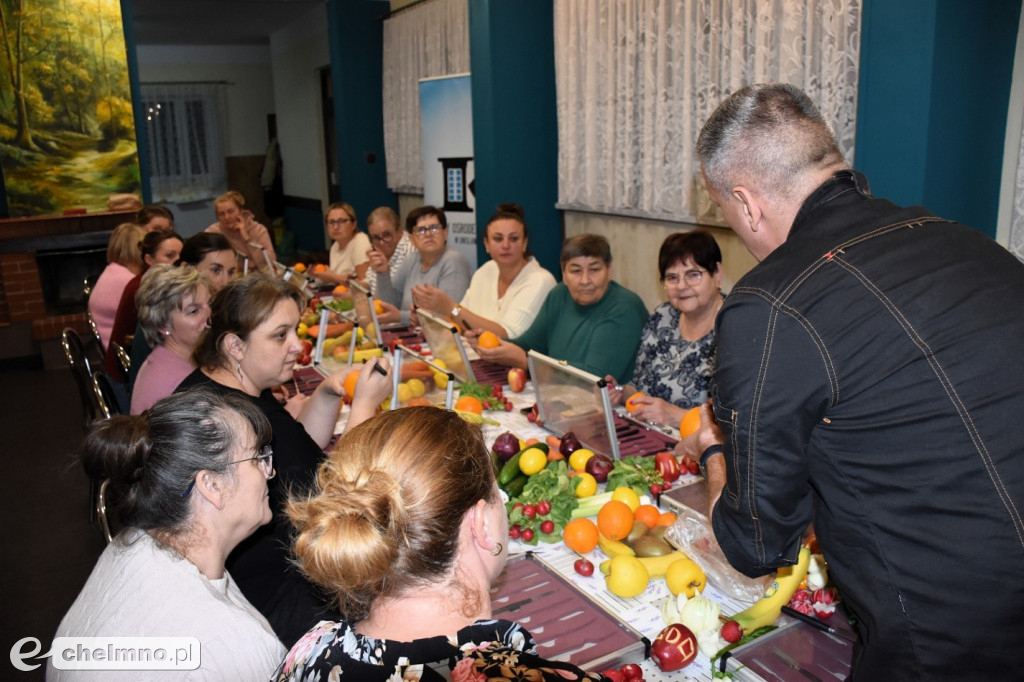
(515, 123)
(932, 100)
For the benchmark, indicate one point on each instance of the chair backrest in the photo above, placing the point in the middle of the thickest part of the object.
(105, 396)
(95, 333)
(74, 351)
(124, 361)
(101, 510)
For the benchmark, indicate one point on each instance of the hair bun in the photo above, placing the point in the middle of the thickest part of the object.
(513, 208)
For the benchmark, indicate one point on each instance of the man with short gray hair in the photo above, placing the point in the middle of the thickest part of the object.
(869, 379)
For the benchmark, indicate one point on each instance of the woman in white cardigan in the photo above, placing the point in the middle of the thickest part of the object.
(507, 291)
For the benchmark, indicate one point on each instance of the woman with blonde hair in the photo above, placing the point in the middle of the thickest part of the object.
(406, 531)
(238, 225)
(124, 262)
(349, 251)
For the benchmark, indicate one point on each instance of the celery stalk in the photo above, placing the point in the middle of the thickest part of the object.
(589, 506)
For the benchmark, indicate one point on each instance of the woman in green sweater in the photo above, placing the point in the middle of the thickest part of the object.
(587, 320)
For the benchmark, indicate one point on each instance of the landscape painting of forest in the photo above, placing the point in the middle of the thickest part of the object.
(67, 136)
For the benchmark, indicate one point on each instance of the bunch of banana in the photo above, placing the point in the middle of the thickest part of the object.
(766, 609)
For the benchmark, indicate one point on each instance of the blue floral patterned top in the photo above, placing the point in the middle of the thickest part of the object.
(670, 367)
(485, 650)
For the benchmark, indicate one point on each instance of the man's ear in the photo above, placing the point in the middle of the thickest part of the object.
(211, 487)
(751, 207)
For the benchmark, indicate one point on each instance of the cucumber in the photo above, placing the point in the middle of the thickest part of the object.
(515, 487)
(510, 470)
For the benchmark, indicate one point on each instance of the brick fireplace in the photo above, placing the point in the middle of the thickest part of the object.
(66, 246)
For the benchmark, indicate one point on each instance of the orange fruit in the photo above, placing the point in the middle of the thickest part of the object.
(418, 402)
(580, 535)
(630, 402)
(320, 267)
(647, 513)
(690, 422)
(340, 290)
(468, 403)
(377, 307)
(350, 383)
(666, 519)
(615, 520)
(489, 340)
(299, 267)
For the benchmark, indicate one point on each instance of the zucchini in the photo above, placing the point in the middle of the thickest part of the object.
(515, 487)
(509, 470)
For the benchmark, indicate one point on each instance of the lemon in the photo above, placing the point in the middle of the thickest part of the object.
(587, 485)
(404, 393)
(440, 380)
(578, 459)
(627, 576)
(302, 330)
(627, 495)
(417, 387)
(532, 461)
(440, 363)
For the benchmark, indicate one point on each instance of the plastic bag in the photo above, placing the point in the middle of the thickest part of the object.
(692, 534)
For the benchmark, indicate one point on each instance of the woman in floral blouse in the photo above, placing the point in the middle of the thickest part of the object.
(677, 345)
(406, 529)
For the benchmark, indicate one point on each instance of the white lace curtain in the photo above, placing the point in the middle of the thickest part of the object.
(428, 40)
(636, 79)
(184, 134)
(1016, 244)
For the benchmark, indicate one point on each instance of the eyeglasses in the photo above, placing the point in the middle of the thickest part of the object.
(338, 221)
(427, 229)
(382, 238)
(691, 277)
(265, 461)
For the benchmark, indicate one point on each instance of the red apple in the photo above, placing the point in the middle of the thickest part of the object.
(667, 465)
(517, 379)
(674, 648)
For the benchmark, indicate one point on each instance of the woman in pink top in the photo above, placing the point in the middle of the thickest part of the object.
(246, 236)
(174, 308)
(124, 261)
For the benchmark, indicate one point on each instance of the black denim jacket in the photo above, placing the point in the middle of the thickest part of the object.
(870, 378)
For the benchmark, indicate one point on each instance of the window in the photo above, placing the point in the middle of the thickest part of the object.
(184, 140)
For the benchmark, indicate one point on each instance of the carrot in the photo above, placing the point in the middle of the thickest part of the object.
(553, 442)
(531, 441)
(416, 370)
(554, 455)
(336, 329)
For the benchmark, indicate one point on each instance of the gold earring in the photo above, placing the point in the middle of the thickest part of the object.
(496, 550)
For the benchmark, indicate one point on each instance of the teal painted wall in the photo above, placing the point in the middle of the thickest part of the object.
(356, 33)
(138, 112)
(932, 99)
(515, 126)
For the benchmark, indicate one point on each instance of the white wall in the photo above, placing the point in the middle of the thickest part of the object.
(297, 52)
(250, 98)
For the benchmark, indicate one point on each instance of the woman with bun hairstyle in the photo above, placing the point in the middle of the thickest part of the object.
(249, 349)
(507, 291)
(211, 254)
(406, 531)
(188, 482)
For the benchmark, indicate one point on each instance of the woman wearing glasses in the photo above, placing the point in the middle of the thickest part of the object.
(434, 263)
(249, 349)
(187, 482)
(349, 252)
(677, 345)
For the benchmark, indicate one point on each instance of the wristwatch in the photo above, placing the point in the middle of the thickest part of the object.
(702, 461)
(456, 311)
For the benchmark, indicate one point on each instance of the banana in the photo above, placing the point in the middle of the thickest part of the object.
(613, 548)
(766, 609)
(657, 566)
(364, 355)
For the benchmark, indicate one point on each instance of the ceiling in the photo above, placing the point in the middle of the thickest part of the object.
(213, 22)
